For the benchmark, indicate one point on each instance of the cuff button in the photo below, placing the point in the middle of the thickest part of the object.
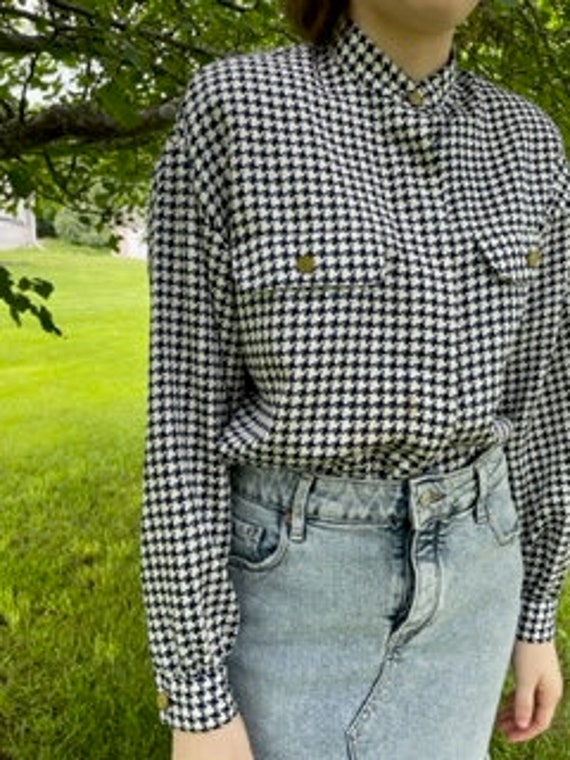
(162, 700)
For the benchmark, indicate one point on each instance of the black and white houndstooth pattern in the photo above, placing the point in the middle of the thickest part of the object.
(354, 275)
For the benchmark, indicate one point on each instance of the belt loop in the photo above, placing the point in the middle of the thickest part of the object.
(482, 490)
(298, 507)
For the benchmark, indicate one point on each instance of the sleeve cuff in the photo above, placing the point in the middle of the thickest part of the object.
(202, 704)
(537, 621)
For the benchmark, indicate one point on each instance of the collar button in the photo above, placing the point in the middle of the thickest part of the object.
(416, 98)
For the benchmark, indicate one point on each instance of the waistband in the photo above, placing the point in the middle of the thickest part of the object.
(306, 494)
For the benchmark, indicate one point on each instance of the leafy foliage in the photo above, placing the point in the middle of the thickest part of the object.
(524, 45)
(18, 297)
(80, 229)
(88, 88)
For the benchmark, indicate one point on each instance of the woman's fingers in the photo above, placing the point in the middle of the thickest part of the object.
(531, 707)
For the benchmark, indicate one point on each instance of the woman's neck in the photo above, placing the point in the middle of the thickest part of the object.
(418, 54)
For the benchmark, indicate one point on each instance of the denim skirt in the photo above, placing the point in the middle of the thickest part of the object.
(377, 616)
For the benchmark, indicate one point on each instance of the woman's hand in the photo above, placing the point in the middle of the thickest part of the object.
(230, 742)
(530, 708)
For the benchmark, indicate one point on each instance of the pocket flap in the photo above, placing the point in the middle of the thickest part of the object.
(282, 263)
(511, 254)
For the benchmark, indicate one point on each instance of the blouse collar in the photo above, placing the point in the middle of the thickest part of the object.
(364, 60)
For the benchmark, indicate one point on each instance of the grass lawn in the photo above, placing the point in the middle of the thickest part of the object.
(75, 680)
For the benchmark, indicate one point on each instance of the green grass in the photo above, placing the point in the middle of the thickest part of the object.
(75, 680)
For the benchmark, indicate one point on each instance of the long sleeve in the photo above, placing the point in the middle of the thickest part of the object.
(195, 379)
(539, 453)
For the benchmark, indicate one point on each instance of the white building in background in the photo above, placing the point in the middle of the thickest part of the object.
(132, 234)
(19, 230)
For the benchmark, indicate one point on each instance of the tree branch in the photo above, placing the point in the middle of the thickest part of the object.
(15, 43)
(78, 122)
(18, 44)
(79, 10)
(24, 94)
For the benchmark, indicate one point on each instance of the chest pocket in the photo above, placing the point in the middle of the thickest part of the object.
(302, 303)
(506, 265)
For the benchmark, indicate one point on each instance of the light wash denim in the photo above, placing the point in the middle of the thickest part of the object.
(377, 616)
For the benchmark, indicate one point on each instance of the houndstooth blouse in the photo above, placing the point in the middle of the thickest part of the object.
(355, 274)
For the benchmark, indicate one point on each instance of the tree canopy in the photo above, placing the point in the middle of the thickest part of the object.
(88, 88)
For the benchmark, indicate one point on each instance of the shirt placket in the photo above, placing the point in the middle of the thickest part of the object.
(426, 290)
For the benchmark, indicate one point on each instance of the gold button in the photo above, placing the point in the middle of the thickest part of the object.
(429, 497)
(416, 98)
(162, 700)
(535, 257)
(306, 263)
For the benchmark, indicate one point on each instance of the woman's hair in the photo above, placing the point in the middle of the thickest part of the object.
(315, 19)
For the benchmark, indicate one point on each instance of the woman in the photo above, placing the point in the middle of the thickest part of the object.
(359, 386)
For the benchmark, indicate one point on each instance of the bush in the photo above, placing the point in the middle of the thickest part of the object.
(84, 229)
(45, 212)
(45, 227)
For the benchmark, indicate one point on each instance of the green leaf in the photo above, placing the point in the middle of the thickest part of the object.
(18, 303)
(42, 287)
(46, 321)
(15, 315)
(115, 242)
(115, 102)
(5, 283)
(21, 181)
(21, 302)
